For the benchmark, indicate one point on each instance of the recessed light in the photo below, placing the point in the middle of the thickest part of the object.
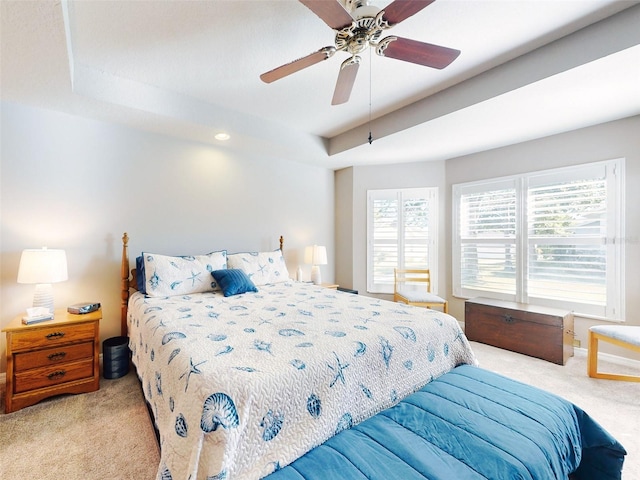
(222, 136)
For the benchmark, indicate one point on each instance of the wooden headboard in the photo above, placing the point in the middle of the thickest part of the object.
(128, 281)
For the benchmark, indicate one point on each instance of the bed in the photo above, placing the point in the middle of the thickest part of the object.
(249, 374)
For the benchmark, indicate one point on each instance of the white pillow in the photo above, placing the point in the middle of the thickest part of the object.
(261, 267)
(166, 276)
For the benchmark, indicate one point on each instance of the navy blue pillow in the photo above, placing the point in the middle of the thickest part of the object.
(140, 277)
(233, 281)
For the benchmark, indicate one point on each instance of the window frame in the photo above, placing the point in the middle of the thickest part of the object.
(431, 195)
(615, 292)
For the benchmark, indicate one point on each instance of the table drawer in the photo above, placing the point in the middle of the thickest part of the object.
(51, 336)
(52, 356)
(52, 375)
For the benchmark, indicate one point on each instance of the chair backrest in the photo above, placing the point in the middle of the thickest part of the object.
(412, 276)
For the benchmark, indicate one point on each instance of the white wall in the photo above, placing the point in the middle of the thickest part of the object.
(77, 184)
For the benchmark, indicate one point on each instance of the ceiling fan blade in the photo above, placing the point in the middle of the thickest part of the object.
(399, 10)
(297, 65)
(346, 79)
(330, 11)
(426, 54)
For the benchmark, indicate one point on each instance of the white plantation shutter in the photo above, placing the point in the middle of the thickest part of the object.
(487, 225)
(567, 236)
(402, 227)
(385, 232)
(550, 238)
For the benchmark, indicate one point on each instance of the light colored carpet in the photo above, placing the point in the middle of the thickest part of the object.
(107, 434)
(100, 435)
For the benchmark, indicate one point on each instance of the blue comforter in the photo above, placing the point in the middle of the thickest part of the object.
(468, 424)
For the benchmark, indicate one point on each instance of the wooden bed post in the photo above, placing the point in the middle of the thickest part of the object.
(281, 243)
(124, 275)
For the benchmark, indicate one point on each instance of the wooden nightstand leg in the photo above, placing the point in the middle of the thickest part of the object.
(8, 393)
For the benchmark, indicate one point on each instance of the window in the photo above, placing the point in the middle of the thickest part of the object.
(401, 233)
(549, 238)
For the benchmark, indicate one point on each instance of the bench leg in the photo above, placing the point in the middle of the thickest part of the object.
(592, 360)
(592, 357)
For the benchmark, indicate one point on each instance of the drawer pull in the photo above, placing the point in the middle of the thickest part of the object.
(57, 356)
(54, 335)
(509, 319)
(56, 375)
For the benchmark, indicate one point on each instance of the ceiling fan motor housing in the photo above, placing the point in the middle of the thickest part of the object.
(356, 37)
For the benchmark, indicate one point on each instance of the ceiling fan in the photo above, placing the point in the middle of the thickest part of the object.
(359, 26)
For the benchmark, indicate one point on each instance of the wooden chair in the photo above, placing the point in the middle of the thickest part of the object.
(626, 336)
(413, 287)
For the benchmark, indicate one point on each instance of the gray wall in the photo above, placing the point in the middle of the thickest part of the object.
(78, 184)
(617, 139)
(351, 193)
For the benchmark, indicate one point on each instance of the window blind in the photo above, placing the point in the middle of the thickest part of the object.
(550, 238)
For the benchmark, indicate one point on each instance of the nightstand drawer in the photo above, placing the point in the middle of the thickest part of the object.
(51, 336)
(53, 375)
(52, 356)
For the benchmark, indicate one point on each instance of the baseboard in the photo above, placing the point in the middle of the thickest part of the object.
(608, 357)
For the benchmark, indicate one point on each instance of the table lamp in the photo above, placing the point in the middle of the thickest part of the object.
(43, 267)
(315, 255)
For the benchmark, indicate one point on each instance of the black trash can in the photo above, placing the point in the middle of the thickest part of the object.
(115, 357)
(348, 290)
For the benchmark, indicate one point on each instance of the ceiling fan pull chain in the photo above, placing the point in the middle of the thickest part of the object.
(370, 67)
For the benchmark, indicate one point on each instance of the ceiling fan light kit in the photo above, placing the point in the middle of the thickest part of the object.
(358, 27)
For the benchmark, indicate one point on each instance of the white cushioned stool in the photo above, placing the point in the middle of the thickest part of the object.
(621, 335)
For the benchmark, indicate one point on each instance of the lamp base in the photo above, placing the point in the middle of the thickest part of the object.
(43, 296)
(315, 275)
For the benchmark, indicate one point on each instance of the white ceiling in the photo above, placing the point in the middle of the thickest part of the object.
(191, 69)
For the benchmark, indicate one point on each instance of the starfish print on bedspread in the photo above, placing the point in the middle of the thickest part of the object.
(194, 276)
(338, 370)
(192, 369)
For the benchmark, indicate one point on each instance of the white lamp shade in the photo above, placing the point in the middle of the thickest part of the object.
(42, 266)
(315, 255)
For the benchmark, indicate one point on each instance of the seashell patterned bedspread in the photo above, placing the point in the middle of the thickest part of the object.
(242, 386)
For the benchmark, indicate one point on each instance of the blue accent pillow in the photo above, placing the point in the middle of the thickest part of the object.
(140, 277)
(233, 281)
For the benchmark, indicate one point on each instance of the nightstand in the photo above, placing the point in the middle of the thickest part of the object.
(52, 357)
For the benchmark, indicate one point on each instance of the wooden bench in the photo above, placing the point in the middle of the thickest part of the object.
(625, 336)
